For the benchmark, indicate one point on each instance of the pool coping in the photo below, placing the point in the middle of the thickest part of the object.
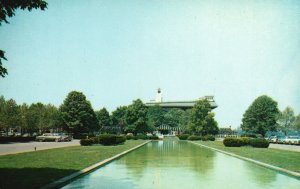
(62, 181)
(286, 171)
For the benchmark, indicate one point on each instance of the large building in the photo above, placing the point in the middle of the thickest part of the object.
(186, 104)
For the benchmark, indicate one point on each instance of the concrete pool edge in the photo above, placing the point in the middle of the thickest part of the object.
(286, 171)
(62, 181)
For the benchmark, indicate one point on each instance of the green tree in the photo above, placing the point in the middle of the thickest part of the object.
(202, 120)
(225, 131)
(118, 117)
(2, 112)
(261, 116)
(286, 119)
(50, 117)
(34, 117)
(103, 118)
(23, 117)
(174, 117)
(7, 9)
(296, 124)
(211, 126)
(10, 114)
(136, 118)
(77, 114)
(155, 116)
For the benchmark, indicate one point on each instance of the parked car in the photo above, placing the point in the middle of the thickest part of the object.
(54, 137)
(273, 139)
(292, 140)
(281, 140)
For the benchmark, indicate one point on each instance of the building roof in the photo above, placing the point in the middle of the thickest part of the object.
(182, 104)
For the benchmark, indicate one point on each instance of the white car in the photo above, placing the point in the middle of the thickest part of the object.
(51, 137)
(292, 140)
(273, 139)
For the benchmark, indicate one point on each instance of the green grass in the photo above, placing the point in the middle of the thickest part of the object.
(281, 158)
(35, 169)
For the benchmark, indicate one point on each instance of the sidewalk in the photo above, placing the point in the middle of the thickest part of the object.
(12, 148)
(285, 147)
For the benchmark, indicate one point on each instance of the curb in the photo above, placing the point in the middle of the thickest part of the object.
(60, 182)
(286, 171)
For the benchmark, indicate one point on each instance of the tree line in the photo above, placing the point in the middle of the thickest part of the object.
(76, 115)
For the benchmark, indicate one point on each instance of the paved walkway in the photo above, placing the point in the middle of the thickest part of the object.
(286, 147)
(12, 148)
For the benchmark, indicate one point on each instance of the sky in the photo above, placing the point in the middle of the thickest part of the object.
(118, 51)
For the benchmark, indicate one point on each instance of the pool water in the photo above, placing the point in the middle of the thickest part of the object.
(182, 165)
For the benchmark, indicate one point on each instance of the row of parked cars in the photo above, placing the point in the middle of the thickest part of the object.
(285, 140)
(54, 137)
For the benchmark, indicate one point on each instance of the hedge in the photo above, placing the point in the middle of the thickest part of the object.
(143, 137)
(83, 136)
(259, 143)
(110, 139)
(245, 141)
(153, 137)
(183, 136)
(194, 137)
(86, 142)
(232, 142)
(249, 135)
(208, 137)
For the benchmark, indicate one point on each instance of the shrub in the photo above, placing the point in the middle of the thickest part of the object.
(109, 139)
(208, 137)
(86, 142)
(232, 142)
(183, 136)
(245, 141)
(153, 137)
(194, 137)
(120, 139)
(249, 135)
(142, 137)
(83, 136)
(129, 137)
(259, 143)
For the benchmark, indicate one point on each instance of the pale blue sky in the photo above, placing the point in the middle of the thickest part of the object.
(117, 51)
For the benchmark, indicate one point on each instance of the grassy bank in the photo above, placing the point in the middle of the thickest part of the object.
(35, 169)
(280, 158)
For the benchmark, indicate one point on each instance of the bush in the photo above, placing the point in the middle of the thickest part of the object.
(83, 136)
(153, 137)
(245, 141)
(129, 137)
(109, 139)
(142, 137)
(259, 143)
(183, 136)
(208, 137)
(86, 142)
(194, 137)
(249, 135)
(232, 142)
(6, 139)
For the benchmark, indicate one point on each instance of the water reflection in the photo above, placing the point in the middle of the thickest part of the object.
(179, 164)
(262, 178)
(169, 154)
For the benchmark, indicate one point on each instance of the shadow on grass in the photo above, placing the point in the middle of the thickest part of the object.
(30, 177)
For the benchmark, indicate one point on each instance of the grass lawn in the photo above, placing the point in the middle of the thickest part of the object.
(35, 169)
(281, 158)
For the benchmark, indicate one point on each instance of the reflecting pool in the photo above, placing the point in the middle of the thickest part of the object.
(182, 165)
